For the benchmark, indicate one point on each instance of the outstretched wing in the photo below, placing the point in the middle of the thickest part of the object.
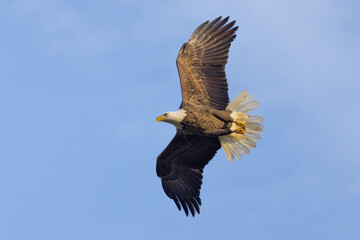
(180, 168)
(201, 63)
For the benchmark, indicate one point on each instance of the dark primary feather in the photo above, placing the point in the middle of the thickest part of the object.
(201, 63)
(180, 168)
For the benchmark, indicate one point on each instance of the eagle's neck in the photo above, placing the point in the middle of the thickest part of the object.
(175, 118)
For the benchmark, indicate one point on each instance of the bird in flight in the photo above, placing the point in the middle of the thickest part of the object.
(205, 120)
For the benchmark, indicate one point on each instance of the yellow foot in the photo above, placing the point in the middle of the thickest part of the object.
(242, 127)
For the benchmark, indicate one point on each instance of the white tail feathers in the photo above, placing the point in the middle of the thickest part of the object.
(247, 128)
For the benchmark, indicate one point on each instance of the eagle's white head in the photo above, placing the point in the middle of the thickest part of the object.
(175, 118)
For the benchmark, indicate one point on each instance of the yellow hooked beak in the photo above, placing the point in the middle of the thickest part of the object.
(160, 118)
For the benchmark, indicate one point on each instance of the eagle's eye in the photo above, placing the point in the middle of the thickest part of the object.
(165, 114)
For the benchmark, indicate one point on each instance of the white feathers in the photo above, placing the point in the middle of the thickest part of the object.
(236, 144)
(243, 103)
(175, 118)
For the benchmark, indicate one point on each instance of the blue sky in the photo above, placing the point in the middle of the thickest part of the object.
(81, 85)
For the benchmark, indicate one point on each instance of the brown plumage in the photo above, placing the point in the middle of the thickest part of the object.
(201, 64)
(203, 117)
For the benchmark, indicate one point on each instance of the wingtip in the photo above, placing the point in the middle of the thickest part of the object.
(177, 203)
(186, 211)
(231, 24)
(198, 199)
(218, 19)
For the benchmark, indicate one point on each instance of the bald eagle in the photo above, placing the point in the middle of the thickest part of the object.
(205, 120)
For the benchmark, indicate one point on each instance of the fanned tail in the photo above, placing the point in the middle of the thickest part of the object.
(246, 128)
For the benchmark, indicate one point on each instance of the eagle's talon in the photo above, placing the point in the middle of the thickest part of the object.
(241, 129)
(240, 124)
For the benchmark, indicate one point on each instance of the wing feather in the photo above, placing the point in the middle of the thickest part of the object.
(180, 167)
(201, 63)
